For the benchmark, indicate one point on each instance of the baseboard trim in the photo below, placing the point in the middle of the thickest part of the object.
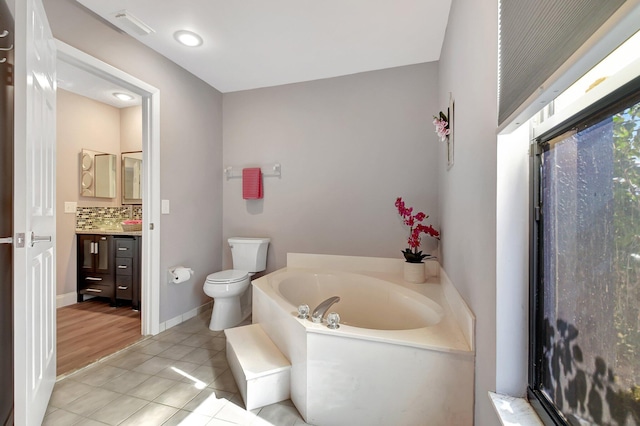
(66, 299)
(184, 317)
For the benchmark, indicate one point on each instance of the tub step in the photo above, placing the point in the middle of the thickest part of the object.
(262, 372)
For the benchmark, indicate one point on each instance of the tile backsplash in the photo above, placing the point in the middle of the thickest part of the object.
(91, 217)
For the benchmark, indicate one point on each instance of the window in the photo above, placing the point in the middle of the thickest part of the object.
(585, 276)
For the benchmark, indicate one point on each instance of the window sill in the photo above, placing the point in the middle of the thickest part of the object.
(514, 411)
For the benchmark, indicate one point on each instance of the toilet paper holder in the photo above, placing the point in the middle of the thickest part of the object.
(180, 274)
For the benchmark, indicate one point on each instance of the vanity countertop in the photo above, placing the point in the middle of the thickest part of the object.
(108, 232)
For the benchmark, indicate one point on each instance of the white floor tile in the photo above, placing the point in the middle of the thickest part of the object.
(176, 352)
(154, 365)
(151, 388)
(234, 414)
(89, 422)
(92, 401)
(178, 370)
(196, 340)
(187, 418)
(118, 410)
(225, 382)
(61, 418)
(154, 347)
(150, 414)
(98, 374)
(208, 402)
(178, 395)
(172, 336)
(279, 414)
(128, 359)
(67, 391)
(200, 355)
(126, 382)
(218, 422)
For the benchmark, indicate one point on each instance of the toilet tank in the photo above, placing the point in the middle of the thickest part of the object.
(249, 254)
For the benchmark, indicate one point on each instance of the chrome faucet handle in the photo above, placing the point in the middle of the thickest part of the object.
(303, 311)
(333, 320)
(322, 308)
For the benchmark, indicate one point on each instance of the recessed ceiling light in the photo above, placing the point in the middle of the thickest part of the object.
(123, 96)
(188, 38)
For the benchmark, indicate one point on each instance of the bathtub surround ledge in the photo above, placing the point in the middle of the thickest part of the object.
(425, 372)
(414, 272)
(358, 264)
(465, 319)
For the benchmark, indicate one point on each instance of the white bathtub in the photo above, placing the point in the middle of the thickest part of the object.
(399, 357)
(365, 302)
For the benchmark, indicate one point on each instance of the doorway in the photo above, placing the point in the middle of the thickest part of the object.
(93, 130)
(72, 58)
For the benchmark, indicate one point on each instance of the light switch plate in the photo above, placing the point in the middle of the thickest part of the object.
(70, 206)
(166, 207)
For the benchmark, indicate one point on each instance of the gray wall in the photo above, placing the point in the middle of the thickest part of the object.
(468, 69)
(348, 147)
(191, 149)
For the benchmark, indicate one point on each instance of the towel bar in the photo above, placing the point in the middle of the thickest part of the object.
(267, 171)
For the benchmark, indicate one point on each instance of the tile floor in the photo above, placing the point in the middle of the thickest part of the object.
(179, 377)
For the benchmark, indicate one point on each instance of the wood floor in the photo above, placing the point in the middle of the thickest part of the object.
(91, 330)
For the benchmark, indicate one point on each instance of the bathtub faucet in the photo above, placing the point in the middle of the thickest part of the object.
(322, 308)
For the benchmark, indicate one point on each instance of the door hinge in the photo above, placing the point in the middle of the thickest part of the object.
(536, 213)
(151, 226)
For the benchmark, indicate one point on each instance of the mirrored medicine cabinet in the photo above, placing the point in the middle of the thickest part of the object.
(97, 174)
(132, 177)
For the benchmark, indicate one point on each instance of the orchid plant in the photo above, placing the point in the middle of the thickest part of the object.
(414, 222)
(441, 121)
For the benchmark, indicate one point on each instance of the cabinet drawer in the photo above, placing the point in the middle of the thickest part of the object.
(124, 288)
(96, 279)
(101, 290)
(123, 265)
(124, 247)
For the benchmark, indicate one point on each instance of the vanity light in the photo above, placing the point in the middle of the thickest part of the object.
(123, 96)
(188, 38)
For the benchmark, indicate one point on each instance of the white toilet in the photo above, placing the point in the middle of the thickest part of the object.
(232, 301)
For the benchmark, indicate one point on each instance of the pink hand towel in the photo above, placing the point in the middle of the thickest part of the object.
(252, 183)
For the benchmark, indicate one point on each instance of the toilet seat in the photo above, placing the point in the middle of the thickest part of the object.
(229, 276)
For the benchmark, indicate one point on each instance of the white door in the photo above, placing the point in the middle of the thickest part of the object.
(34, 213)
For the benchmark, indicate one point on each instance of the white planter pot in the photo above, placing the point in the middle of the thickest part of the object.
(414, 272)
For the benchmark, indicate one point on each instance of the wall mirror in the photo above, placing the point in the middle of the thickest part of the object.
(132, 177)
(97, 174)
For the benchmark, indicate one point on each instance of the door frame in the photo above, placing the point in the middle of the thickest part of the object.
(150, 304)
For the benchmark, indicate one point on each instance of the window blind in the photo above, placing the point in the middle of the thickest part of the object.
(536, 37)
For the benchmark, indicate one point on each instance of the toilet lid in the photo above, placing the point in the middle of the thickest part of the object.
(228, 276)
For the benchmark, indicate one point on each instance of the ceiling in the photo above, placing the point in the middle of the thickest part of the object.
(250, 44)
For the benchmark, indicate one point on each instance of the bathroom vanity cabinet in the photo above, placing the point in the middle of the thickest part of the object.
(109, 267)
(95, 266)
